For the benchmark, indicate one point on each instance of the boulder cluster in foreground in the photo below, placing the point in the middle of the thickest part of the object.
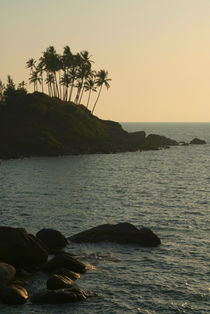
(22, 255)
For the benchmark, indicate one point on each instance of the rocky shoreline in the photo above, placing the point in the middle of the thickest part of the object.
(38, 125)
(129, 142)
(23, 255)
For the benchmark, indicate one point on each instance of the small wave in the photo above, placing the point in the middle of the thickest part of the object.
(98, 256)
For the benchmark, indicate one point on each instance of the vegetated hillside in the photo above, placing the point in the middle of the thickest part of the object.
(38, 125)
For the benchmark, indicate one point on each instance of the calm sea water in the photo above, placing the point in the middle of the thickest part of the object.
(167, 191)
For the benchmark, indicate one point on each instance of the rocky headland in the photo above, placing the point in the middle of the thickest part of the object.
(38, 125)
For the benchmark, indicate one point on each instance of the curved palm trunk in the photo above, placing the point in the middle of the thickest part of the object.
(88, 98)
(77, 96)
(99, 93)
(56, 84)
(79, 93)
(59, 75)
(66, 96)
(80, 100)
(42, 83)
(71, 90)
(48, 85)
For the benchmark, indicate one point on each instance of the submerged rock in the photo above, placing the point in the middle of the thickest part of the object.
(53, 239)
(7, 273)
(197, 141)
(73, 294)
(64, 260)
(119, 233)
(21, 249)
(14, 294)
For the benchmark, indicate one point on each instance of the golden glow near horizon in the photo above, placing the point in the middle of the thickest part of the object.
(157, 52)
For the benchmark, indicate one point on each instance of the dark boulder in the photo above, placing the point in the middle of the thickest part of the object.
(197, 141)
(20, 249)
(59, 282)
(73, 294)
(154, 140)
(66, 272)
(53, 239)
(14, 294)
(119, 233)
(7, 273)
(65, 261)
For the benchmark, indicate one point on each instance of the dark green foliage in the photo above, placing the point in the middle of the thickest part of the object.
(35, 124)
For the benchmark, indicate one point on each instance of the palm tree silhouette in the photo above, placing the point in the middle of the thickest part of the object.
(101, 79)
(65, 81)
(35, 79)
(40, 70)
(50, 80)
(31, 64)
(90, 85)
(52, 65)
(73, 71)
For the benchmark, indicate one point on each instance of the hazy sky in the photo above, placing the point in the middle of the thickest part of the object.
(157, 52)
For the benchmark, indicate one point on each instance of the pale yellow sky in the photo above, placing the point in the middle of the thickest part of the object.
(157, 52)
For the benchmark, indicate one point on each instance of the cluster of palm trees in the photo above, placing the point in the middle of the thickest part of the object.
(67, 76)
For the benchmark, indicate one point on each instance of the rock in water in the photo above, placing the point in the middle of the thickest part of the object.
(66, 272)
(154, 140)
(14, 294)
(7, 273)
(197, 141)
(20, 249)
(119, 233)
(73, 294)
(53, 239)
(59, 282)
(65, 261)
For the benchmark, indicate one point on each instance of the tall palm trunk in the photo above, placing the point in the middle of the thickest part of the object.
(79, 92)
(59, 75)
(42, 82)
(66, 93)
(48, 85)
(56, 85)
(99, 93)
(71, 90)
(88, 98)
(77, 95)
(80, 100)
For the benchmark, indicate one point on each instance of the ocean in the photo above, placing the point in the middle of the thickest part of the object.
(167, 191)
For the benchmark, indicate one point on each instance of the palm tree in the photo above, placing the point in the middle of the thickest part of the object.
(86, 57)
(22, 85)
(65, 81)
(90, 86)
(40, 70)
(50, 80)
(82, 74)
(52, 65)
(31, 64)
(34, 78)
(76, 63)
(67, 58)
(101, 79)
